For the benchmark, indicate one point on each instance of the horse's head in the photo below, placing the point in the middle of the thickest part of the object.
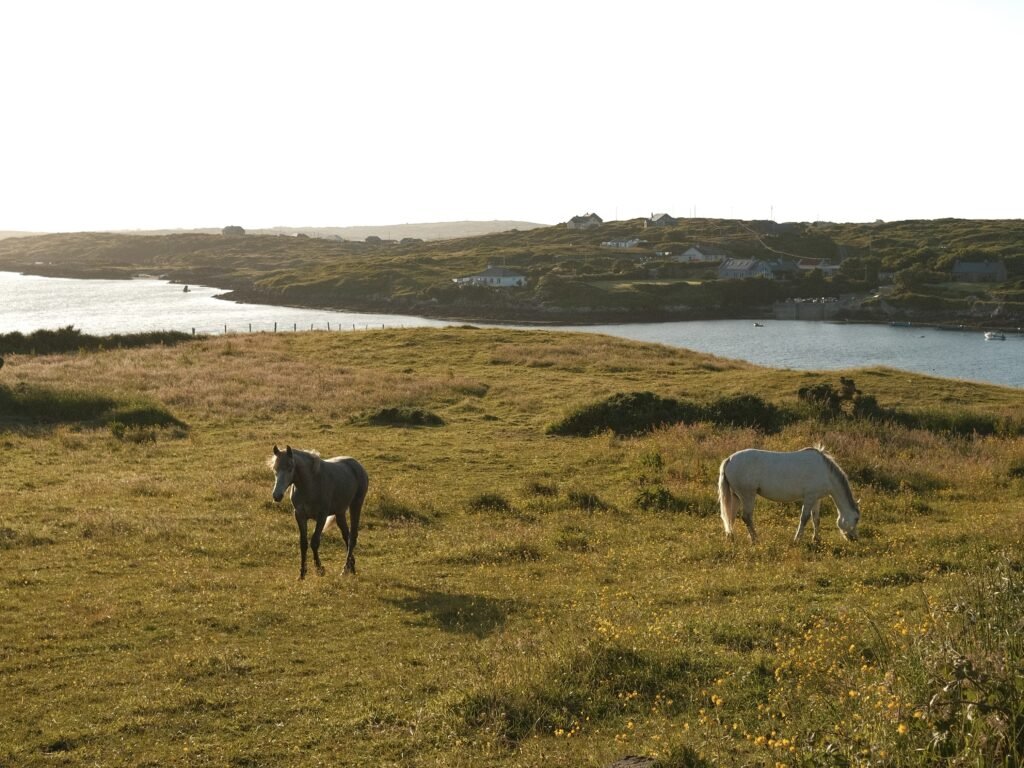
(283, 465)
(848, 519)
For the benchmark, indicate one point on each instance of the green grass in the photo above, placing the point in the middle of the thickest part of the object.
(523, 599)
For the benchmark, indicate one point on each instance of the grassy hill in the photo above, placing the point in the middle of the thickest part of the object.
(571, 276)
(523, 598)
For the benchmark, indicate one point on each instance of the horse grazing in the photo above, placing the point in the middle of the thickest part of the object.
(806, 476)
(322, 489)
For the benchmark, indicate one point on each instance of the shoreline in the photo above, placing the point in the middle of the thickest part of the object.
(555, 318)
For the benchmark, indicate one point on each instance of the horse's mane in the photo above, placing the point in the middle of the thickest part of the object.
(313, 454)
(838, 472)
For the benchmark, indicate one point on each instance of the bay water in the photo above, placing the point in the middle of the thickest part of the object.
(28, 303)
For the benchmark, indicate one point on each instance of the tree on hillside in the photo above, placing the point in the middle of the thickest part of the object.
(232, 230)
(813, 283)
(916, 276)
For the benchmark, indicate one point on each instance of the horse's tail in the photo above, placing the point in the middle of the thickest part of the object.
(726, 499)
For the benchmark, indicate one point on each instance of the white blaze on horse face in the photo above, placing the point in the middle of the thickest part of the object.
(284, 479)
(848, 529)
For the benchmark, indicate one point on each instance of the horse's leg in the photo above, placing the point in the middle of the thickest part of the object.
(748, 515)
(317, 531)
(354, 511)
(815, 518)
(301, 520)
(339, 520)
(805, 515)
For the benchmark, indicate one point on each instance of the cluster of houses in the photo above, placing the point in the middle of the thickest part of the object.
(729, 268)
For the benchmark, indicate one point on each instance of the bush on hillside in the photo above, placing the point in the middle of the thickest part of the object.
(746, 411)
(70, 339)
(402, 416)
(624, 413)
(27, 405)
(828, 402)
(635, 413)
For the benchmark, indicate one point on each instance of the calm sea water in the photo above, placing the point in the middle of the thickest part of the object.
(28, 303)
(101, 307)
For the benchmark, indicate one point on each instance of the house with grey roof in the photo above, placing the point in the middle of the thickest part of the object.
(494, 277)
(624, 242)
(587, 221)
(979, 271)
(703, 253)
(659, 220)
(739, 269)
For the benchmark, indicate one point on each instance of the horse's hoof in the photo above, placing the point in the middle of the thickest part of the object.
(320, 570)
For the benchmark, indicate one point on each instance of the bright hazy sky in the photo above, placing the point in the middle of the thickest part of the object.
(145, 115)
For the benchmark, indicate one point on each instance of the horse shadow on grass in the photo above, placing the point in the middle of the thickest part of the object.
(475, 615)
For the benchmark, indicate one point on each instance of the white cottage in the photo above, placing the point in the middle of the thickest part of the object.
(737, 269)
(702, 253)
(495, 277)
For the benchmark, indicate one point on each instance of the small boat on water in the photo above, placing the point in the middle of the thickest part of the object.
(758, 325)
(995, 336)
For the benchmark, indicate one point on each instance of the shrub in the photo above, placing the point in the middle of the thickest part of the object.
(822, 396)
(490, 502)
(70, 339)
(586, 500)
(387, 507)
(638, 412)
(573, 539)
(537, 488)
(403, 416)
(625, 414)
(41, 405)
(746, 411)
(658, 499)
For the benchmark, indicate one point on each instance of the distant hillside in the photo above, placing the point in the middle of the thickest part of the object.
(4, 234)
(442, 230)
(572, 275)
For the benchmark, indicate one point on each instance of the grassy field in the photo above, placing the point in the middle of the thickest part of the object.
(522, 599)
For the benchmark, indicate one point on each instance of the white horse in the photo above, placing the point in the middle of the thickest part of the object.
(806, 476)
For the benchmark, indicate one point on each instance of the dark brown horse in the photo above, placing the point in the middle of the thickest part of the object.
(321, 489)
